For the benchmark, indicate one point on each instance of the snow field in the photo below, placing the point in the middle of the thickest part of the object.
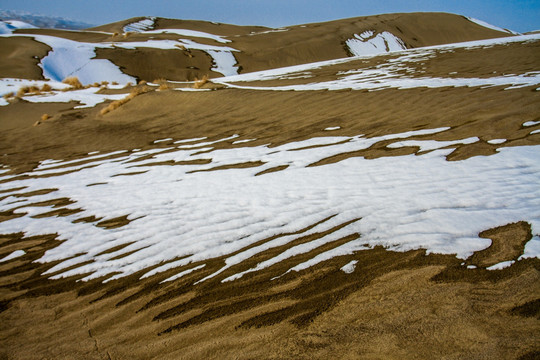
(181, 215)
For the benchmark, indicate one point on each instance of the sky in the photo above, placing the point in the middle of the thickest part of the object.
(518, 15)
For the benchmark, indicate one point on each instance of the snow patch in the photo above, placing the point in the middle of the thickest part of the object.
(501, 265)
(190, 33)
(8, 26)
(366, 44)
(349, 268)
(13, 255)
(496, 141)
(492, 27)
(140, 26)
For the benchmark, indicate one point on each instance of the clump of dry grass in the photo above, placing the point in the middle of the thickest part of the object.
(200, 83)
(30, 90)
(45, 117)
(128, 85)
(181, 47)
(127, 34)
(114, 83)
(73, 82)
(142, 82)
(116, 104)
(163, 85)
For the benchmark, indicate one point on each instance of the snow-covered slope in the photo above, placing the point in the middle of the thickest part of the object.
(8, 26)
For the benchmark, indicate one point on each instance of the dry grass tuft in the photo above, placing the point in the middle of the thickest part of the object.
(46, 88)
(200, 83)
(181, 47)
(74, 82)
(115, 34)
(114, 83)
(127, 34)
(116, 104)
(23, 91)
(128, 85)
(9, 95)
(45, 117)
(164, 86)
(142, 82)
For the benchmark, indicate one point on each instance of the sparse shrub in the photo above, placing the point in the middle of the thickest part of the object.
(46, 88)
(116, 104)
(163, 86)
(200, 83)
(45, 117)
(142, 82)
(9, 95)
(129, 84)
(127, 34)
(114, 83)
(74, 82)
(115, 34)
(181, 47)
(104, 83)
(23, 91)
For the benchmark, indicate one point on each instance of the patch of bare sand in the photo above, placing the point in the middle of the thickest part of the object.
(20, 58)
(150, 64)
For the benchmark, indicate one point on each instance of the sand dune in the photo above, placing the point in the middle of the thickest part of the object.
(377, 206)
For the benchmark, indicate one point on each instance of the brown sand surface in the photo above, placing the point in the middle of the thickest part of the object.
(20, 58)
(395, 305)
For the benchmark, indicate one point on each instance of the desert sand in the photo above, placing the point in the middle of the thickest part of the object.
(381, 302)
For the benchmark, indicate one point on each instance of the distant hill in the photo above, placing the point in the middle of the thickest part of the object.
(42, 21)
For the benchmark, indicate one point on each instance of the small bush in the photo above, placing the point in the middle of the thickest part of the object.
(200, 83)
(45, 117)
(74, 82)
(127, 34)
(9, 95)
(116, 104)
(23, 91)
(114, 83)
(46, 88)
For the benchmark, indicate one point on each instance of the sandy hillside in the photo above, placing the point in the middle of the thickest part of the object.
(360, 189)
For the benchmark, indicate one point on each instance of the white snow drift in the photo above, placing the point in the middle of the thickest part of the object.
(182, 215)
